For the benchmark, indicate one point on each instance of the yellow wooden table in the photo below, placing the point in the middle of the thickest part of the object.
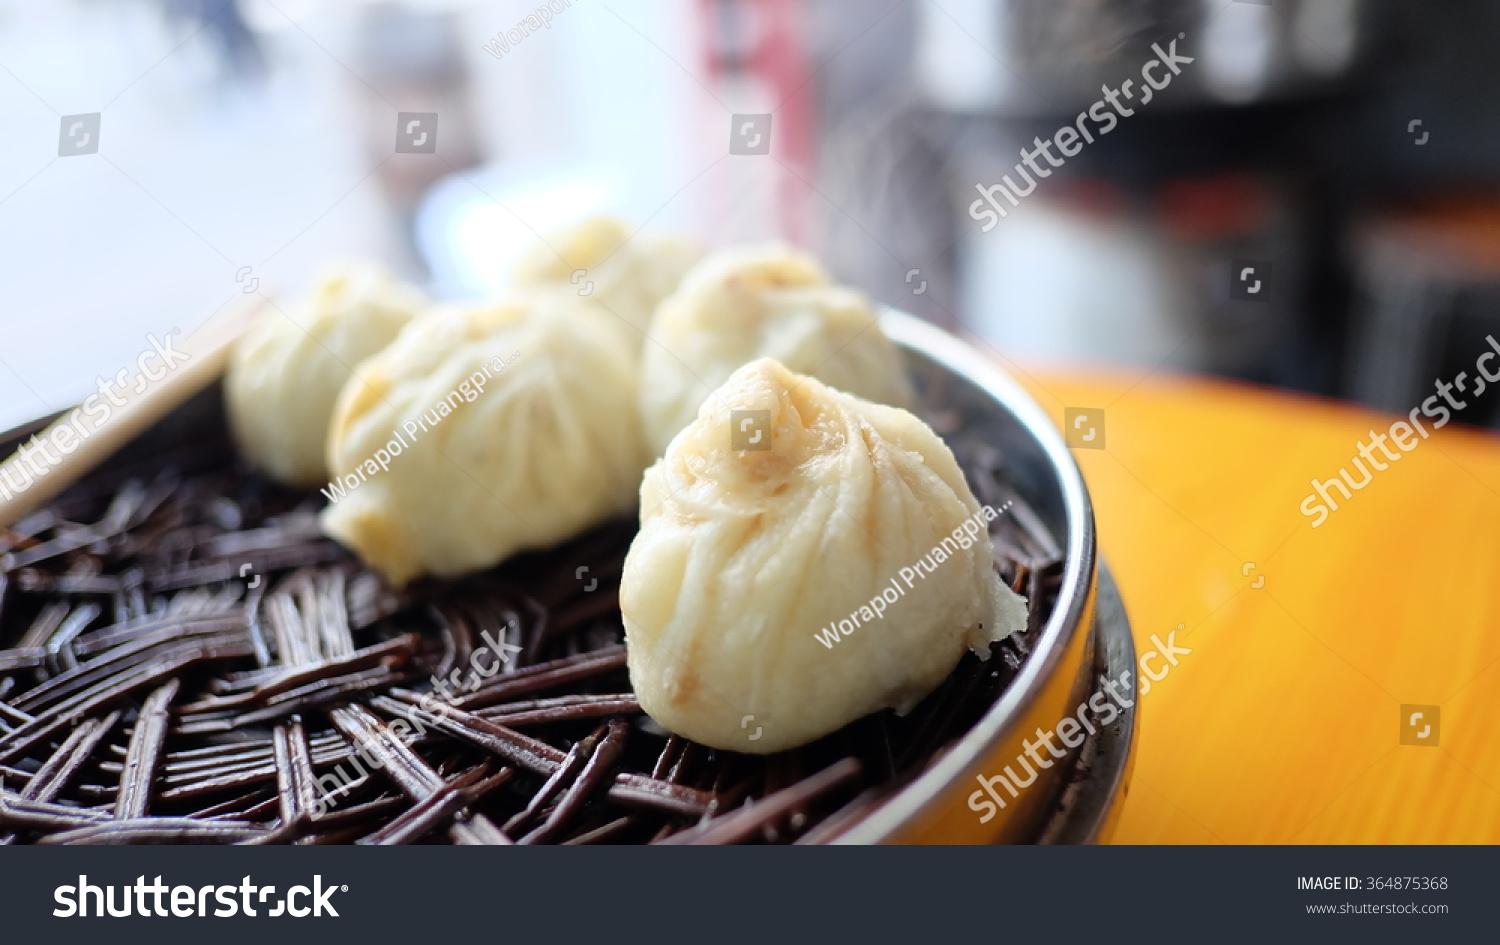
(1283, 724)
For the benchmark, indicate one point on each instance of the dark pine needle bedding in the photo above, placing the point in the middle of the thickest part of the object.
(150, 694)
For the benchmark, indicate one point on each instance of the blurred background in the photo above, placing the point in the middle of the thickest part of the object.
(1346, 150)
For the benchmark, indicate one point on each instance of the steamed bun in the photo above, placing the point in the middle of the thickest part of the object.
(483, 431)
(766, 301)
(286, 373)
(630, 274)
(841, 569)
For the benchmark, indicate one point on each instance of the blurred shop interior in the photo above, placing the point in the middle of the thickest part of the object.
(1350, 149)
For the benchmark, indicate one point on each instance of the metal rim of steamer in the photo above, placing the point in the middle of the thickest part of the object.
(1086, 635)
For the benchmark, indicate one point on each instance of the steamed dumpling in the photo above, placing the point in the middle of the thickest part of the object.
(483, 431)
(767, 301)
(752, 586)
(628, 275)
(287, 371)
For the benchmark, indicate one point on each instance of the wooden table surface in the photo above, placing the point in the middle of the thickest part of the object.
(1283, 723)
